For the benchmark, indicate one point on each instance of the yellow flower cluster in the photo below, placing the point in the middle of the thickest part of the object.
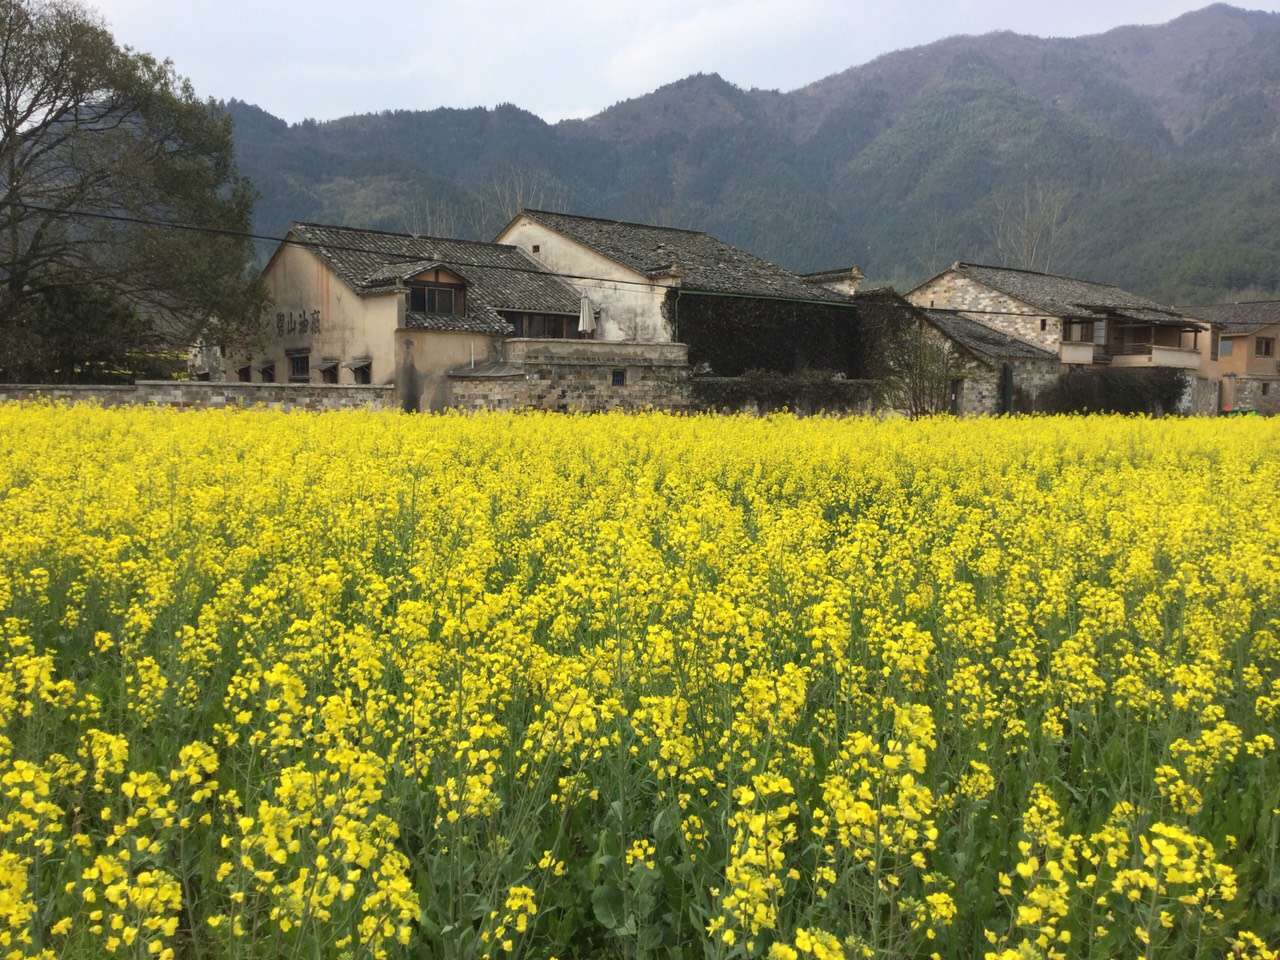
(366, 685)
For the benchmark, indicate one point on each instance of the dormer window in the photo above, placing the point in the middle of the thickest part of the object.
(435, 298)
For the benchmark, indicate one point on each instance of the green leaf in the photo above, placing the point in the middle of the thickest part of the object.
(607, 905)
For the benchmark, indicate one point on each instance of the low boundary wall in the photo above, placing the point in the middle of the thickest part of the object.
(200, 394)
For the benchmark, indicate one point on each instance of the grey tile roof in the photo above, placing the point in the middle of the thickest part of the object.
(499, 277)
(707, 264)
(1061, 296)
(1238, 319)
(473, 321)
(983, 340)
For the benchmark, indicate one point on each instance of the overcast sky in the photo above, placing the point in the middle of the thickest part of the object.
(329, 58)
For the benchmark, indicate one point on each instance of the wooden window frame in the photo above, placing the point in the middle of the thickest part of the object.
(1262, 352)
(294, 375)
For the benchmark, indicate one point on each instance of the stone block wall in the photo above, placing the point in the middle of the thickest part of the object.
(577, 376)
(199, 394)
(1249, 395)
(953, 291)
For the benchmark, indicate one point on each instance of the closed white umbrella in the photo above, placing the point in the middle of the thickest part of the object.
(586, 316)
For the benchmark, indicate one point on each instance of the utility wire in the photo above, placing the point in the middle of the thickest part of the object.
(406, 258)
(315, 244)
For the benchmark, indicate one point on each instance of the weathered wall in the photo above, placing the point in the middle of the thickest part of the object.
(577, 376)
(953, 291)
(1203, 397)
(630, 308)
(199, 394)
(305, 293)
(432, 354)
(1247, 394)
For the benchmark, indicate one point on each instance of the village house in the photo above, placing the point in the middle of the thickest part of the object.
(369, 307)
(1086, 324)
(991, 372)
(1248, 356)
(646, 283)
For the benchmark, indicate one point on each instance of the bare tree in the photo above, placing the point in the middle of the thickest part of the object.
(933, 256)
(518, 188)
(1027, 225)
(921, 372)
(421, 214)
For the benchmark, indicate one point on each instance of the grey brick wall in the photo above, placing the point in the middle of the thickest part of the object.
(199, 394)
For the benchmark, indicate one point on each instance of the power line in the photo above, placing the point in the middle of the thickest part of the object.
(313, 244)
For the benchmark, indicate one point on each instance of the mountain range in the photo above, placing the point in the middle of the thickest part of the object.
(1148, 156)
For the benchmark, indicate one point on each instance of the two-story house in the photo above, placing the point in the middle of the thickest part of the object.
(1248, 356)
(1084, 322)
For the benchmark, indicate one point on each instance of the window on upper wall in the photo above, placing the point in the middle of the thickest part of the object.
(362, 373)
(1215, 345)
(268, 373)
(300, 368)
(1264, 347)
(244, 374)
(430, 298)
(1044, 324)
(1224, 349)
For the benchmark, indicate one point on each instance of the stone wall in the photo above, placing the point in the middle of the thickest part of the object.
(954, 291)
(195, 394)
(576, 376)
(1249, 396)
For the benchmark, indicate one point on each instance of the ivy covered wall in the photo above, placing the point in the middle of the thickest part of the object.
(736, 334)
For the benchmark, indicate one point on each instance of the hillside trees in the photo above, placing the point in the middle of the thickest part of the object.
(89, 126)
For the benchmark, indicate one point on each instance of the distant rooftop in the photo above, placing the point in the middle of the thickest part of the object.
(498, 276)
(981, 339)
(1240, 318)
(705, 263)
(1062, 296)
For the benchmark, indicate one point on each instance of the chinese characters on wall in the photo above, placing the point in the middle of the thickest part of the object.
(297, 321)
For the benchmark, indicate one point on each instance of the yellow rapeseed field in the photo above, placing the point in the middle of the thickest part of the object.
(376, 685)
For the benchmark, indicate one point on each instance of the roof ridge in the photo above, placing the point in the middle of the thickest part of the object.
(1037, 273)
(405, 236)
(623, 223)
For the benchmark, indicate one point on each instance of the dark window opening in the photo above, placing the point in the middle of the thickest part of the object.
(1215, 344)
(300, 368)
(431, 298)
(620, 378)
(537, 247)
(1044, 324)
(363, 373)
(547, 326)
(1264, 347)
(203, 375)
(1266, 388)
(329, 373)
(268, 373)
(244, 374)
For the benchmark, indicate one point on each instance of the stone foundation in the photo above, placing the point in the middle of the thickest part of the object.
(200, 394)
(576, 376)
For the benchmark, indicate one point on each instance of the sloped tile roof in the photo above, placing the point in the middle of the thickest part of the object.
(473, 321)
(1238, 319)
(1061, 296)
(499, 277)
(706, 263)
(983, 340)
